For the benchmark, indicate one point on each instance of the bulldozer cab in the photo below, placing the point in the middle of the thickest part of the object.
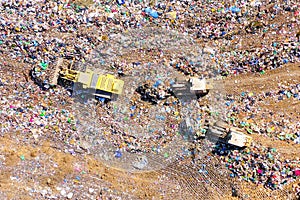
(200, 87)
(239, 139)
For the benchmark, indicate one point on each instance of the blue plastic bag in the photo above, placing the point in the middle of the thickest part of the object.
(120, 2)
(153, 14)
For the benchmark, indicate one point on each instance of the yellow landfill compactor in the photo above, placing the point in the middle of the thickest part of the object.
(104, 86)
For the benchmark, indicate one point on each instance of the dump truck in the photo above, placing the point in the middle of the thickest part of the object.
(229, 135)
(99, 85)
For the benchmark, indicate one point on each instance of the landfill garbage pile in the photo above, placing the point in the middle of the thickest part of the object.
(248, 103)
(266, 168)
(147, 42)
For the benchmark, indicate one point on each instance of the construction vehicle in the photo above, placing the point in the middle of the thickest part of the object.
(220, 131)
(103, 86)
(77, 82)
(192, 88)
(228, 135)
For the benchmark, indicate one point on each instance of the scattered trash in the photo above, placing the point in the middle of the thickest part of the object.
(75, 35)
(22, 157)
(118, 154)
